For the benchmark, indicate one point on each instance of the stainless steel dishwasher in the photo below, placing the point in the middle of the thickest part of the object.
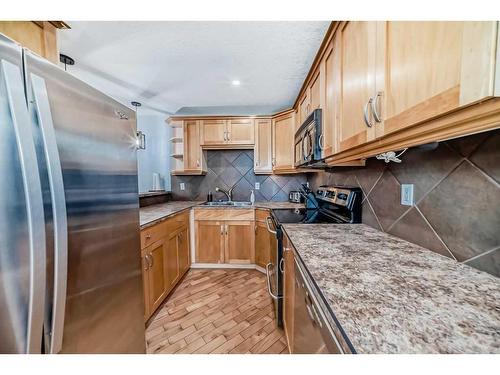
(312, 333)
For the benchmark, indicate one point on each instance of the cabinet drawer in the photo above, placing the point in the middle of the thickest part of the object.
(261, 214)
(240, 214)
(224, 214)
(176, 222)
(152, 234)
(209, 214)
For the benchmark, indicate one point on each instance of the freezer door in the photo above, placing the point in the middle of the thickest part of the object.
(22, 253)
(95, 139)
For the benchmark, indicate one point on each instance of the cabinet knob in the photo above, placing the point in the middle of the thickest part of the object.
(148, 236)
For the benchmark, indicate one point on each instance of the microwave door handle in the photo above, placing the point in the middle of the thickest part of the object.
(13, 84)
(44, 115)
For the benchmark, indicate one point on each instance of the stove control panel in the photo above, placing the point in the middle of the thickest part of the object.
(339, 195)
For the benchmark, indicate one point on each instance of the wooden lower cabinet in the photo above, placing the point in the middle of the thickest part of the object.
(164, 261)
(262, 244)
(288, 292)
(228, 241)
(157, 276)
(183, 248)
(239, 242)
(209, 241)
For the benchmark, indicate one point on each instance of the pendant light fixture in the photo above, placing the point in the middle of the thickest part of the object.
(141, 137)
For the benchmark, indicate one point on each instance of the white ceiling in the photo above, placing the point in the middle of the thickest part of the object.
(169, 65)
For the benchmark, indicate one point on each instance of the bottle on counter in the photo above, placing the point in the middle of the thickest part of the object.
(252, 197)
(210, 197)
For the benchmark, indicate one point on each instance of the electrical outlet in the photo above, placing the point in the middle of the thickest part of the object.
(257, 186)
(407, 194)
(182, 186)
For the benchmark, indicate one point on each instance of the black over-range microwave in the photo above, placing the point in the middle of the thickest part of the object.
(308, 142)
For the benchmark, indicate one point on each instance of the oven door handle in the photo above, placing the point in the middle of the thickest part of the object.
(268, 226)
(268, 278)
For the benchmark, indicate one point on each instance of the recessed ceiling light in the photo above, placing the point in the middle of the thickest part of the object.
(235, 82)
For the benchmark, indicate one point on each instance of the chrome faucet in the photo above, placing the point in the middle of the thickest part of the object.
(229, 193)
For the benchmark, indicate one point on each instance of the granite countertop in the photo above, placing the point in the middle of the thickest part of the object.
(391, 296)
(155, 213)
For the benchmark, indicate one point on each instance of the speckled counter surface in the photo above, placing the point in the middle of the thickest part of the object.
(391, 296)
(155, 213)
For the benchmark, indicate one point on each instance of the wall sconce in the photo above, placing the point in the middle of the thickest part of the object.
(141, 137)
(141, 140)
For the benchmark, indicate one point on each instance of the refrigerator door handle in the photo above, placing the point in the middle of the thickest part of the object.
(42, 108)
(14, 86)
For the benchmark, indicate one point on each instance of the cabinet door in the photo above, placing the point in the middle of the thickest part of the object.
(263, 146)
(315, 92)
(333, 100)
(304, 106)
(183, 248)
(434, 67)
(358, 42)
(239, 242)
(262, 244)
(171, 264)
(158, 284)
(214, 132)
(145, 282)
(288, 292)
(192, 148)
(283, 140)
(240, 131)
(209, 241)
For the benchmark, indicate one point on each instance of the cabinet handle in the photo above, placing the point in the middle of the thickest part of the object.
(221, 230)
(197, 163)
(226, 229)
(152, 260)
(374, 105)
(148, 236)
(282, 263)
(367, 106)
(228, 137)
(146, 262)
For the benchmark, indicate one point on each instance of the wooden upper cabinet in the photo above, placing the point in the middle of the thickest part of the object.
(239, 242)
(38, 36)
(193, 160)
(332, 97)
(432, 68)
(283, 142)
(240, 131)
(304, 108)
(358, 46)
(213, 132)
(315, 92)
(263, 147)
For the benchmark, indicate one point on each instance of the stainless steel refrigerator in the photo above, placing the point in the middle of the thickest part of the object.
(70, 271)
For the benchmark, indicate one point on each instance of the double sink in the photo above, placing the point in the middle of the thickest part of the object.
(227, 204)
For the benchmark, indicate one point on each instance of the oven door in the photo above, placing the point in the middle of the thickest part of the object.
(274, 279)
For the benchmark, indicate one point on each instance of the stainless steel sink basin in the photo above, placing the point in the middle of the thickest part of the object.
(227, 204)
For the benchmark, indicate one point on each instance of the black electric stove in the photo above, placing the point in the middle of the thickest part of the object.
(329, 205)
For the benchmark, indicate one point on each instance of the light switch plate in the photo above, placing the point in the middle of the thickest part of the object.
(257, 186)
(407, 194)
(182, 186)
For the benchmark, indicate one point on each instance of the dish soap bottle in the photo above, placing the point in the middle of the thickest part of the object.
(252, 197)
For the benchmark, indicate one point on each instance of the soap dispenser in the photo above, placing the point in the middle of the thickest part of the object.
(252, 197)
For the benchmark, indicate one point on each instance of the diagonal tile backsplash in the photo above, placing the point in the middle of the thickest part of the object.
(457, 196)
(228, 168)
